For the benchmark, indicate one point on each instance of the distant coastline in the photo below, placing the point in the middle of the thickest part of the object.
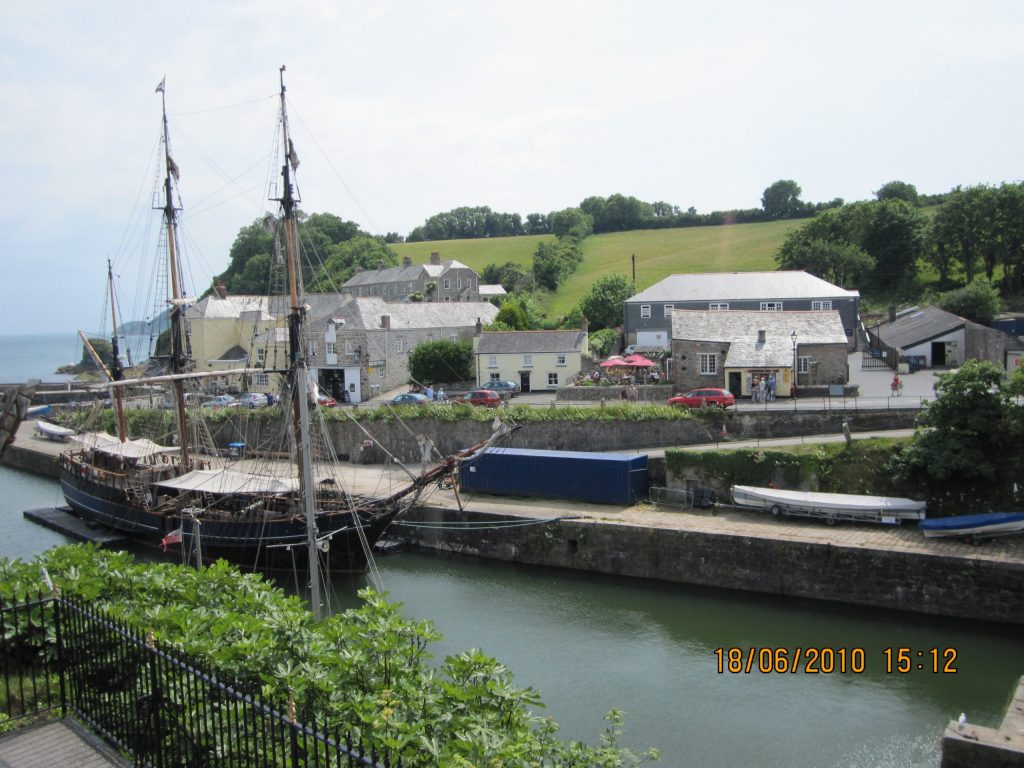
(28, 356)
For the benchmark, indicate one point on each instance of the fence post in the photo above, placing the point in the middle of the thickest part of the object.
(293, 730)
(154, 682)
(58, 636)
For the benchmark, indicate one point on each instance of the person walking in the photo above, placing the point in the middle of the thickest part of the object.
(896, 386)
(771, 388)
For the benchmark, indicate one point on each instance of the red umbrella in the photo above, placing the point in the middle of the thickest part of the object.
(638, 361)
(614, 362)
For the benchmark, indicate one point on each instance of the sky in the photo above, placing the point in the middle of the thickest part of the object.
(400, 110)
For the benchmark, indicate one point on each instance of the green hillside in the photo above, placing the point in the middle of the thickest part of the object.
(659, 253)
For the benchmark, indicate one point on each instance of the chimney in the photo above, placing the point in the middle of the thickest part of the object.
(479, 327)
(585, 325)
(435, 258)
(762, 337)
(220, 289)
(385, 322)
(407, 261)
(381, 264)
(892, 313)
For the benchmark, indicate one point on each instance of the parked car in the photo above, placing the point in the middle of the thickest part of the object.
(695, 398)
(410, 398)
(253, 400)
(509, 388)
(483, 397)
(326, 401)
(221, 401)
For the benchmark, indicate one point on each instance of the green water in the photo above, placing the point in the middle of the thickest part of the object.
(591, 643)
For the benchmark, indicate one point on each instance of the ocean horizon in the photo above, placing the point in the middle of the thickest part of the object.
(27, 356)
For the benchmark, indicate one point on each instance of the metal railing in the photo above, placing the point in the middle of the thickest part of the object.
(59, 655)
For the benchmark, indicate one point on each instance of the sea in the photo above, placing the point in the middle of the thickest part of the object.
(24, 357)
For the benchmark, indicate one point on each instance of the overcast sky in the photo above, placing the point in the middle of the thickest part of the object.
(404, 109)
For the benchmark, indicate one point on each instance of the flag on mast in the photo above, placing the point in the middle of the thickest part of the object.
(174, 537)
(160, 88)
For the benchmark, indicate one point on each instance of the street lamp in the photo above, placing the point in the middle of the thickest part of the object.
(792, 337)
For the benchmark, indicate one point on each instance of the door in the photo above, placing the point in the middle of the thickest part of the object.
(524, 381)
(938, 354)
(736, 383)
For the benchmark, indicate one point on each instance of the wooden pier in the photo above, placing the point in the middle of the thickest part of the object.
(63, 520)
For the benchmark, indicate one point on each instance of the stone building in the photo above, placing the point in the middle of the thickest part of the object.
(730, 349)
(648, 314)
(536, 360)
(438, 281)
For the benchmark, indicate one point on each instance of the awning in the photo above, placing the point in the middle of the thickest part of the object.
(224, 482)
(104, 442)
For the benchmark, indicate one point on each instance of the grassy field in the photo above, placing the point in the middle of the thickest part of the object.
(659, 253)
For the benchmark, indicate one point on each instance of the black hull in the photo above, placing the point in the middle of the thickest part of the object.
(276, 544)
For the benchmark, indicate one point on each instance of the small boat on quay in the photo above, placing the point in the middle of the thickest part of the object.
(831, 507)
(974, 527)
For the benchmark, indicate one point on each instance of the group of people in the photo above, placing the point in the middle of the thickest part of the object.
(432, 395)
(762, 388)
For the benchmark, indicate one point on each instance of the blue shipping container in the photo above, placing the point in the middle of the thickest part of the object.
(605, 478)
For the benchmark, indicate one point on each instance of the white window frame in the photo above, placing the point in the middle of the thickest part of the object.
(708, 364)
(560, 360)
(721, 306)
(492, 362)
(331, 348)
(350, 346)
(310, 349)
(803, 364)
(771, 306)
(822, 305)
(668, 309)
(495, 377)
(261, 356)
(261, 380)
(447, 284)
(398, 345)
(552, 379)
(527, 361)
(645, 311)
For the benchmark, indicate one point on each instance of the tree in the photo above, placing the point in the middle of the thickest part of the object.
(601, 342)
(365, 252)
(518, 313)
(968, 448)
(782, 199)
(571, 222)
(602, 306)
(443, 361)
(978, 301)
(964, 230)
(839, 262)
(898, 190)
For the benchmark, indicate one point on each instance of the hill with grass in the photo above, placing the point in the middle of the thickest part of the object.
(659, 253)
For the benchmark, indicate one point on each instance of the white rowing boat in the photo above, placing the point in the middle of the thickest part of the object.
(831, 507)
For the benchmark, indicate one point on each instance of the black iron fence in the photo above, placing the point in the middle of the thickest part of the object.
(57, 655)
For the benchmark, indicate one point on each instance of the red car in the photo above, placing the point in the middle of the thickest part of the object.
(483, 397)
(696, 398)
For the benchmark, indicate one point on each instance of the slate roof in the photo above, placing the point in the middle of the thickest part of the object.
(366, 313)
(530, 342)
(401, 274)
(215, 308)
(918, 327)
(739, 329)
(741, 286)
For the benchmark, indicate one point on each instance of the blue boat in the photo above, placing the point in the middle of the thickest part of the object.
(975, 527)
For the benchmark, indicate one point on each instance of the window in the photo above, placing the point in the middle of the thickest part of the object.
(803, 365)
(552, 379)
(311, 349)
(668, 310)
(492, 362)
(261, 380)
(261, 357)
(560, 360)
(350, 347)
(332, 348)
(447, 298)
(771, 306)
(447, 283)
(459, 284)
(453, 337)
(824, 304)
(718, 307)
(708, 363)
(398, 344)
(527, 361)
(495, 377)
(645, 311)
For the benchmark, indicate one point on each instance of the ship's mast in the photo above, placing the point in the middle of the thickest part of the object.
(297, 360)
(179, 360)
(116, 372)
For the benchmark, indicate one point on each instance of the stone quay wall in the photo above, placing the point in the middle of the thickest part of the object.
(900, 580)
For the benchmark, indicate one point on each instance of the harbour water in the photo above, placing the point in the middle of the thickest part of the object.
(592, 643)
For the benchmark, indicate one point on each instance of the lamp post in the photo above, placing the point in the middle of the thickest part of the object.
(793, 388)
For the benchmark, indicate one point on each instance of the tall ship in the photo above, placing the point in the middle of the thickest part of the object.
(265, 514)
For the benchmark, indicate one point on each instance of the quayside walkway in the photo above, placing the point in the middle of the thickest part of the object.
(57, 742)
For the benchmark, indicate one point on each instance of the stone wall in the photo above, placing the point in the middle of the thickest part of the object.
(612, 393)
(918, 582)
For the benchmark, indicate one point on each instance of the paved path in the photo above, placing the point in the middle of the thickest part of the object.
(57, 743)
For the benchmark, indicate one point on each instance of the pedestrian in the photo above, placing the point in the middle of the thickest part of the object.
(429, 392)
(762, 386)
(896, 385)
(771, 388)
(441, 396)
(754, 391)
